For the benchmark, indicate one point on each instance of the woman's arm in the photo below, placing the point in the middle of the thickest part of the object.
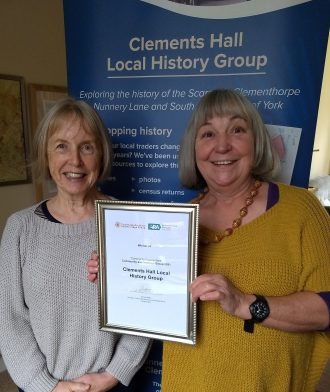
(297, 312)
(22, 356)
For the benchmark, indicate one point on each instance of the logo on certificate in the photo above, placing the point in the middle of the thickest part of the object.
(154, 226)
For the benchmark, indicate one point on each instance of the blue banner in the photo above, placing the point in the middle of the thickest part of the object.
(144, 64)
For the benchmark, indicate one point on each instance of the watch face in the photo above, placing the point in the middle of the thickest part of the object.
(259, 310)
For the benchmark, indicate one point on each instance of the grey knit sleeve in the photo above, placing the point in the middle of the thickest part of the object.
(23, 359)
(130, 354)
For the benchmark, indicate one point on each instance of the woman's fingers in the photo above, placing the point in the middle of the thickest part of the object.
(93, 267)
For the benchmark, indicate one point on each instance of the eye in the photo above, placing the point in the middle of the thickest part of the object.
(60, 146)
(88, 148)
(205, 133)
(238, 126)
(238, 130)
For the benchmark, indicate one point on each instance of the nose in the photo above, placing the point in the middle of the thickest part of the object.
(223, 143)
(75, 158)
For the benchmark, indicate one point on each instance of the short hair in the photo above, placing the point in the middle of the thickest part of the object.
(224, 102)
(70, 109)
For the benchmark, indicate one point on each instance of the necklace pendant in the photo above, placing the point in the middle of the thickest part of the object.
(254, 192)
(249, 201)
(257, 184)
(237, 223)
(243, 212)
(228, 232)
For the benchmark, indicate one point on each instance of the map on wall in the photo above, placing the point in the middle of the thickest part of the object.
(13, 153)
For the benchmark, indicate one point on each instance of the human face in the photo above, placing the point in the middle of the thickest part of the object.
(224, 151)
(73, 159)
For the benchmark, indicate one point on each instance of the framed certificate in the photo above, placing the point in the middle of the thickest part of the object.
(148, 258)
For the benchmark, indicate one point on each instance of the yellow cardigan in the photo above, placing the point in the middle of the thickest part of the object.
(285, 250)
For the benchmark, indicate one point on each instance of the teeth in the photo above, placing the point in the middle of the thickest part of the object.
(74, 175)
(222, 162)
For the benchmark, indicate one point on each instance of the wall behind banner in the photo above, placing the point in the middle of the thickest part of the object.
(145, 78)
(321, 156)
(35, 51)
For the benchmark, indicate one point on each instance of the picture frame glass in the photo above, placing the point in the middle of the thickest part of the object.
(14, 135)
(148, 259)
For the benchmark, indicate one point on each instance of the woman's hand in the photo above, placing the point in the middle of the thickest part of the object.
(93, 267)
(215, 287)
(72, 386)
(99, 382)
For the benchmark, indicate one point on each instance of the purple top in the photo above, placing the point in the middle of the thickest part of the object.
(326, 297)
(273, 195)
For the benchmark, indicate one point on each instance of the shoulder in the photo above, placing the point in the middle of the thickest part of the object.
(291, 188)
(18, 226)
(299, 194)
(22, 215)
(301, 201)
(293, 191)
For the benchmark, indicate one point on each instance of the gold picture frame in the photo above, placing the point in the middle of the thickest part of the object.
(148, 259)
(42, 97)
(14, 135)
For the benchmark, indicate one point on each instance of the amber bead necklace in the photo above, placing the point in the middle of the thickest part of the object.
(242, 212)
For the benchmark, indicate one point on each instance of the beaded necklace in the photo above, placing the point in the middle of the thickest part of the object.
(242, 212)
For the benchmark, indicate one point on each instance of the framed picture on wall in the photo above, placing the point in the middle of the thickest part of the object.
(14, 136)
(42, 97)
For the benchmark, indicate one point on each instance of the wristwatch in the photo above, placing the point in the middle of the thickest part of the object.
(259, 310)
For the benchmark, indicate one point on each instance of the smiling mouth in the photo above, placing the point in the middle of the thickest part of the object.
(74, 175)
(223, 163)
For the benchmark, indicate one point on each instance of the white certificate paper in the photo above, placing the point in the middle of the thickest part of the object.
(148, 258)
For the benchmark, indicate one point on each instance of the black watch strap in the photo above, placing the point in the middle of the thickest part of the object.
(249, 326)
(259, 310)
